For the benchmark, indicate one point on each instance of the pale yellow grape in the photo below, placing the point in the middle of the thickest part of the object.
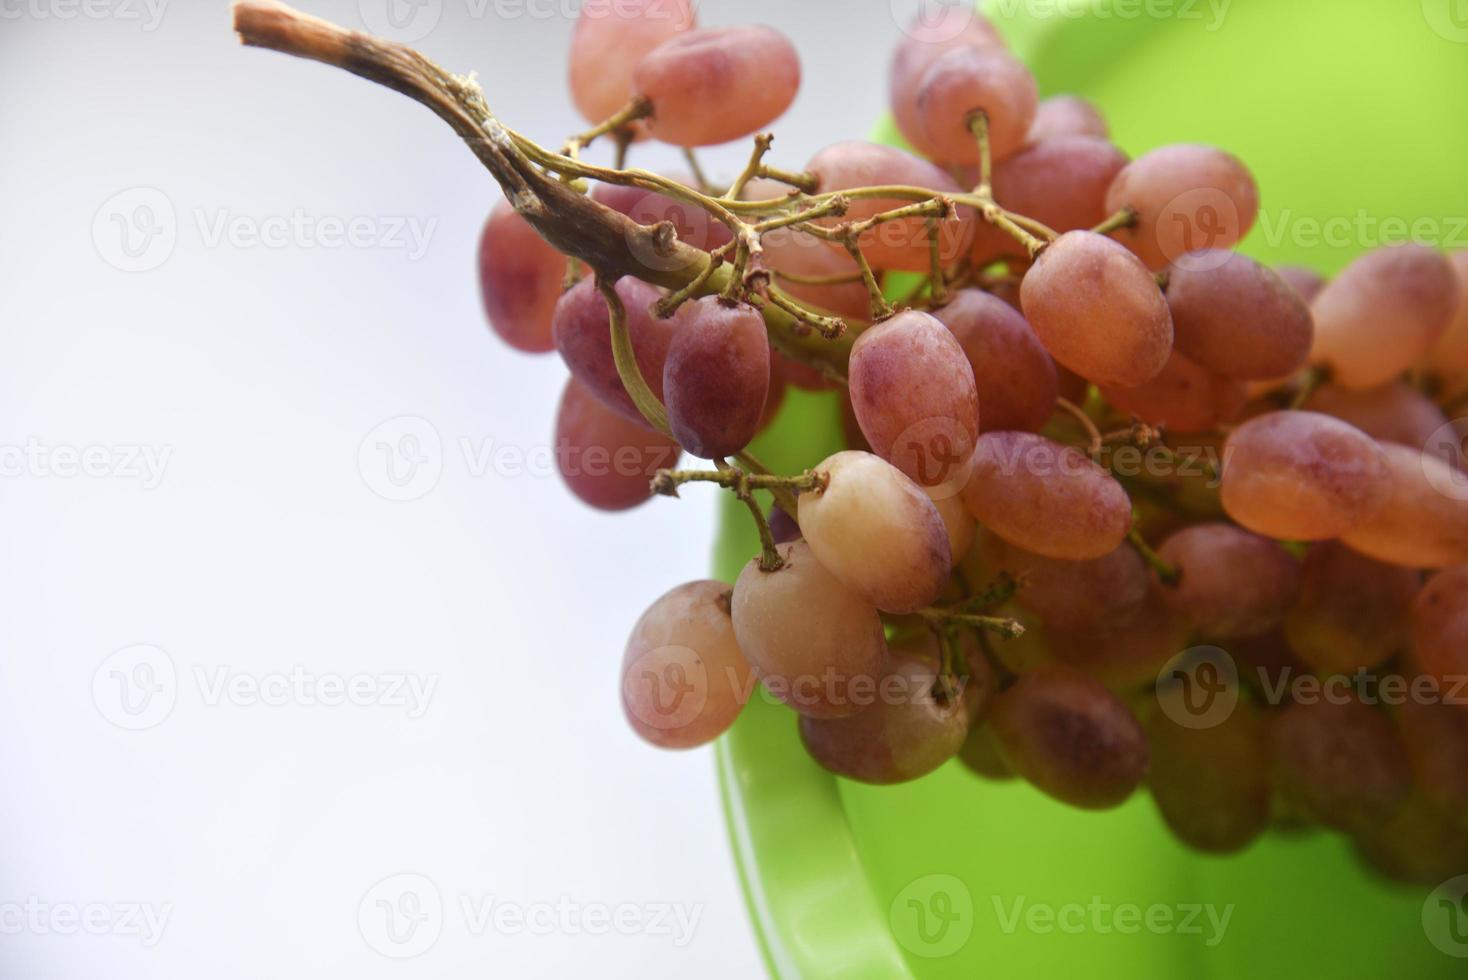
(684, 680)
(1383, 313)
(877, 532)
(816, 645)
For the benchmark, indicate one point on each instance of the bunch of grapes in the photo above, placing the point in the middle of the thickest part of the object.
(1099, 465)
(972, 577)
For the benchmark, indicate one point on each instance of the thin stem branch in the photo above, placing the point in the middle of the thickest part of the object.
(626, 360)
(1008, 628)
(1125, 218)
(881, 309)
(762, 143)
(978, 124)
(770, 560)
(638, 108)
(1169, 573)
(1079, 414)
(697, 169)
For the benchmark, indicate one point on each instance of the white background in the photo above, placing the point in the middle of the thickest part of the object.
(263, 371)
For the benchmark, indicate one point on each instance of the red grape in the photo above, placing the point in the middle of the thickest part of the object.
(1045, 497)
(521, 279)
(1015, 378)
(1098, 311)
(913, 392)
(1212, 784)
(1352, 612)
(910, 730)
(968, 80)
(1302, 476)
(717, 377)
(1232, 583)
(1187, 198)
(1067, 115)
(606, 460)
(583, 336)
(1070, 737)
(1392, 413)
(1440, 628)
(1340, 762)
(611, 37)
(1237, 317)
(1448, 359)
(1185, 397)
(718, 84)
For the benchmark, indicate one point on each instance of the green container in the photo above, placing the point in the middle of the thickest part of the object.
(1350, 113)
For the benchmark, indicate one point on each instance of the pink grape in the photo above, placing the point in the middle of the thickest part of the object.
(606, 460)
(1392, 413)
(1435, 734)
(1301, 476)
(1067, 115)
(1212, 784)
(1187, 198)
(1126, 654)
(715, 85)
(1418, 845)
(925, 40)
(910, 731)
(582, 330)
(1424, 523)
(1440, 627)
(684, 680)
(968, 80)
(1352, 612)
(1340, 762)
(1232, 583)
(1070, 737)
(1060, 182)
(1237, 317)
(521, 279)
(877, 532)
(1045, 497)
(1448, 359)
(1075, 595)
(896, 244)
(611, 37)
(1014, 377)
(1185, 397)
(913, 392)
(816, 645)
(1098, 311)
(717, 377)
(1383, 313)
